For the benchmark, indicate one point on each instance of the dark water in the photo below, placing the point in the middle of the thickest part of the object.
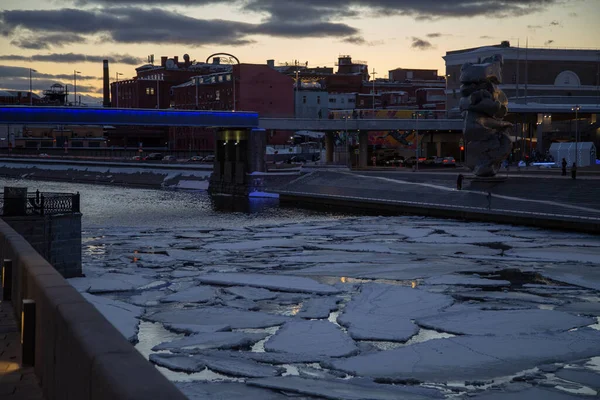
(114, 206)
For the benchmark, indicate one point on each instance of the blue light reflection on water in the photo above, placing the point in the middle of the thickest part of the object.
(116, 206)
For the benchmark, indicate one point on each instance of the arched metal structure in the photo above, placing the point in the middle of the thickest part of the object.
(229, 59)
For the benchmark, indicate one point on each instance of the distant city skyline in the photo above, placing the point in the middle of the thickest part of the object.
(55, 38)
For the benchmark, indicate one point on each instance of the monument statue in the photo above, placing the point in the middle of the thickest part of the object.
(483, 106)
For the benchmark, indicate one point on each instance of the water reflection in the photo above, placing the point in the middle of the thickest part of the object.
(241, 205)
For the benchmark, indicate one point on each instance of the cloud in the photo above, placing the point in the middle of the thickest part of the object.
(22, 72)
(572, 14)
(534, 27)
(421, 44)
(548, 42)
(437, 35)
(45, 41)
(555, 23)
(75, 57)
(319, 10)
(136, 25)
(354, 40)
(486, 37)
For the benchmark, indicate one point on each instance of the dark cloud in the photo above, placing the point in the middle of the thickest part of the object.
(136, 25)
(45, 41)
(555, 23)
(7, 71)
(437, 35)
(310, 10)
(421, 44)
(75, 57)
(355, 40)
(548, 42)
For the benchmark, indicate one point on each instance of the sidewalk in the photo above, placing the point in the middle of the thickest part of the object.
(16, 382)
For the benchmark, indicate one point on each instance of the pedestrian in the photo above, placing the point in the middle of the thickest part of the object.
(574, 171)
(459, 181)
(564, 167)
(489, 199)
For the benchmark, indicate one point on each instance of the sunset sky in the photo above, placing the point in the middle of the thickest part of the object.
(55, 37)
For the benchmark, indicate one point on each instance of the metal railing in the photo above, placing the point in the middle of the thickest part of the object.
(47, 204)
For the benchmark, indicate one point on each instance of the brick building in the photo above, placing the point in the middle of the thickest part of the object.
(243, 87)
(18, 97)
(401, 75)
(533, 73)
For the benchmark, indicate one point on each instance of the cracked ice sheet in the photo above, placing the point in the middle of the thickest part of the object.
(463, 280)
(239, 367)
(559, 254)
(383, 312)
(274, 282)
(177, 363)
(319, 308)
(227, 391)
(319, 338)
(528, 394)
(251, 293)
(473, 357)
(197, 294)
(344, 390)
(236, 319)
(255, 245)
(507, 296)
(510, 322)
(122, 316)
(109, 283)
(215, 340)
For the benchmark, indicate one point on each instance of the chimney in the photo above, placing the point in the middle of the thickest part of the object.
(163, 61)
(105, 85)
(216, 60)
(271, 63)
(176, 59)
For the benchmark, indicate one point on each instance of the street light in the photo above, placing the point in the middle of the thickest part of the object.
(117, 87)
(417, 133)
(576, 109)
(30, 87)
(75, 86)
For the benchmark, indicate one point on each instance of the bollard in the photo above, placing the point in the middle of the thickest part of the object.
(7, 280)
(28, 333)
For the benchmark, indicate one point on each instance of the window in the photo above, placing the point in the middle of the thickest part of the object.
(220, 78)
(331, 100)
(351, 101)
(217, 94)
(318, 99)
(303, 99)
(228, 77)
(342, 100)
(150, 90)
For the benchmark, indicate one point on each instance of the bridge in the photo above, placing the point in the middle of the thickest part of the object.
(297, 124)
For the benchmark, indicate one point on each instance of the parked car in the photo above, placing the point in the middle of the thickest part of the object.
(449, 162)
(136, 158)
(169, 158)
(410, 161)
(209, 159)
(296, 160)
(395, 162)
(44, 155)
(195, 159)
(431, 160)
(154, 156)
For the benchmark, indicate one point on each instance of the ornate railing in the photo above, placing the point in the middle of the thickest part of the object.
(39, 203)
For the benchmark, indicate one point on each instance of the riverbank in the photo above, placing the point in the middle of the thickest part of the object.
(539, 201)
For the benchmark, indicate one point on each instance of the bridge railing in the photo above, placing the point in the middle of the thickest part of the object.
(76, 353)
(39, 203)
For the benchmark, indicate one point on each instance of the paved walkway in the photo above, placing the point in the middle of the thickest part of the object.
(16, 382)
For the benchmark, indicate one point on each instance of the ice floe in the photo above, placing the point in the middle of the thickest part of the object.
(215, 340)
(178, 363)
(218, 316)
(251, 293)
(239, 367)
(190, 329)
(227, 391)
(383, 312)
(509, 322)
(473, 357)
(463, 280)
(319, 308)
(197, 294)
(122, 315)
(274, 282)
(109, 283)
(319, 338)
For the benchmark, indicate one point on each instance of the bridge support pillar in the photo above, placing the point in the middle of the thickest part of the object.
(329, 147)
(363, 146)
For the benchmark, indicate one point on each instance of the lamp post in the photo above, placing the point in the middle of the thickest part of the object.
(576, 109)
(446, 96)
(31, 87)
(374, 73)
(75, 86)
(117, 87)
(417, 133)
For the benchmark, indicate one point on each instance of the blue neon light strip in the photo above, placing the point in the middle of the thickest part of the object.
(125, 116)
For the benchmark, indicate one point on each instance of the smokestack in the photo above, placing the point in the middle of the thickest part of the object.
(106, 101)
(163, 61)
(271, 63)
